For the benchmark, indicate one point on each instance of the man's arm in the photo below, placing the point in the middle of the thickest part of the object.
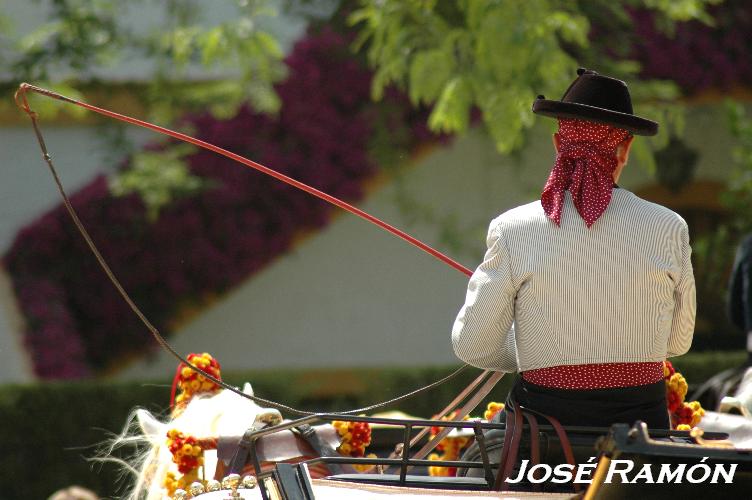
(483, 333)
(685, 302)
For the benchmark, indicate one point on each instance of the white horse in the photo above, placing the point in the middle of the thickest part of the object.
(222, 414)
(741, 402)
(734, 415)
(225, 416)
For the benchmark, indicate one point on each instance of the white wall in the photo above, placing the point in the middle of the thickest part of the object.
(26, 188)
(14, 363)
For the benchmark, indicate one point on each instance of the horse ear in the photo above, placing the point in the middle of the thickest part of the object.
(150, 426)
(247, 389)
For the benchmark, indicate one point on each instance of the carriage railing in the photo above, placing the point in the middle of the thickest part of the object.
(404, 462)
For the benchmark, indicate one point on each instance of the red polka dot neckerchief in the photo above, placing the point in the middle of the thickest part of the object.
(584, 166)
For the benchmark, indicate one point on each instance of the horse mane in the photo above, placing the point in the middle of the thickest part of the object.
(223, 413)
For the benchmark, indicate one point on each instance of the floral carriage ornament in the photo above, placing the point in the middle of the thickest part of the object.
(355, 437)
(684, 416)
(188, 451)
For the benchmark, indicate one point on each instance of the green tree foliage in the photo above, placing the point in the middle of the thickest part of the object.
(158, 177)
(456, 55)
(715, 250)
(492, 55)
(739, 197)
(194, 65)
(81, 37)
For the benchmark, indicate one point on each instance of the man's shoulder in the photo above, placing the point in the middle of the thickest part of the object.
(627, 206)
(524, 214)
(639, 208)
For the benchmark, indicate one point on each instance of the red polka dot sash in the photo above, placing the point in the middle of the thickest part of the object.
(596, 376)
(584, 165)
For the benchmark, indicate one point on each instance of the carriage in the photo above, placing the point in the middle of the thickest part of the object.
(621, 444)
(523, 457)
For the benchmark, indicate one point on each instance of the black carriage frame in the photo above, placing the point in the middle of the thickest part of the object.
(292, 481)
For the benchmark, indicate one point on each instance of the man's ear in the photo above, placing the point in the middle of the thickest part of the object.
(557, 141)
(622, 150)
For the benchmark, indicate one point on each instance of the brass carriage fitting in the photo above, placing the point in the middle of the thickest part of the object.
(249, 482)
(196, 488)
(213, 485)
(232, 482)
(180, 494)
(697, 434)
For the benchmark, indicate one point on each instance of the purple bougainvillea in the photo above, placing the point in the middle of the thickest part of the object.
(698, 56)
(77, 324)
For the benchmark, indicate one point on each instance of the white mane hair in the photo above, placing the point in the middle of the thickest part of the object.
(223, 414)
(734, 415)
(741, 401)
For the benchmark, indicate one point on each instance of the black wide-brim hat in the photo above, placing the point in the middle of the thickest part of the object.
(597, 98)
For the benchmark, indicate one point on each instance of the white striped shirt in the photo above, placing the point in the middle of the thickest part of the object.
(621, 291)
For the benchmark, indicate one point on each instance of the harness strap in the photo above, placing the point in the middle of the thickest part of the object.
(566, 445)
(534, 444)
(322, 448)
(512, 438)
(471, 404)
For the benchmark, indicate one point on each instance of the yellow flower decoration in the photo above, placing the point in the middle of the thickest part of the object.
(492, 409)
(189, 383)
(365, 467)
(354, 438)
(172, 482)
(433, 470)
(684, 415)
(678, 384)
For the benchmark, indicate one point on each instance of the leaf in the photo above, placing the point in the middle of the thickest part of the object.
(683, 10)
(573, 29)
(182, 43)
(385, 75)
(269, 44)
(158, 177)
(506, 112)
(429, 72)
(40, 37)
(475, 12)
(213, 45)
(452, 110)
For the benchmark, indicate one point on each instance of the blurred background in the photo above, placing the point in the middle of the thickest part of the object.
(417, 111)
